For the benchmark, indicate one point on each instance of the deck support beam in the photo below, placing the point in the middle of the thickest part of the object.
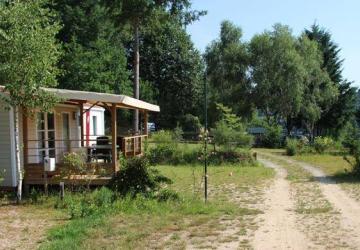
(114, 137)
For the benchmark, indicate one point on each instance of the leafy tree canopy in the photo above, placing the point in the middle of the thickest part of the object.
(227, 61)
(29, 52)
(94, 57)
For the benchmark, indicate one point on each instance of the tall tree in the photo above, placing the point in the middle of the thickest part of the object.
(94, 58)
(174, 68)
(319, 91)
(344, 108)
(227, 61)
(28, 56)
(277, 73)
(140, 12)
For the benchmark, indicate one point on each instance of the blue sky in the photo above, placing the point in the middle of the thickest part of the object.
(340, 17)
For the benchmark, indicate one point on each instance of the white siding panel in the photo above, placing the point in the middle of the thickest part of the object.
(5, 148)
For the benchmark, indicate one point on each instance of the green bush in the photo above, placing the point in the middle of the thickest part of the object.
(137, 177)
(354, 150)
(191, 126)
(322, 144)
(230, 157)
(297, 146)
(165, 146)
(167, 195)
(273, 136)
(291, 146)
(229, 137)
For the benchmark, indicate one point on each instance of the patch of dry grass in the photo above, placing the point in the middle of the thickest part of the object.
(25, 226)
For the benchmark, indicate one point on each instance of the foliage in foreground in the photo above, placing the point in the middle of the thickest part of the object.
(137, 177)
(145, 214)
(29, 53)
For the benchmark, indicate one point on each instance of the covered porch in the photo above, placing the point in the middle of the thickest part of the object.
(64, 131)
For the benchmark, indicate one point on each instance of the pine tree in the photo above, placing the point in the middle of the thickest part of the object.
(344, 108)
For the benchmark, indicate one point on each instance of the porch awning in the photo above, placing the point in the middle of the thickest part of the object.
(93, 97)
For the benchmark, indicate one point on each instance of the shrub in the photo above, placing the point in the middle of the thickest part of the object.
(137, 177)
(273, 136)
(297, 146)
(229, 137)
(230, 132)
(191, 126)
(321, 144)
(75, 164)
(166, 145)
(354, 151)
(167, 195)
(291, 146)
(232, 157)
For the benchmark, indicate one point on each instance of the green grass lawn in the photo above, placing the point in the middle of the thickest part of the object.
(334, 165)
(331, 164)
(137, 224)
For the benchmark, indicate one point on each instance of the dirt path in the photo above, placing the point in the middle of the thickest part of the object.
(278, 230)
(348, 208)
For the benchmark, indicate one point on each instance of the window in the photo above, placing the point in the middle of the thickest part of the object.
(46, 135)
(94, 124)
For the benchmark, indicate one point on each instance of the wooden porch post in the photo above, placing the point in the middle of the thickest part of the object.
(82, 124)
(114, 137)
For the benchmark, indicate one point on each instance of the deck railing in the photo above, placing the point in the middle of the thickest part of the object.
(93, 151)
(97, 156)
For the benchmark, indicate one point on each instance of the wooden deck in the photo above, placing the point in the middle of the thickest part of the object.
(101, 174)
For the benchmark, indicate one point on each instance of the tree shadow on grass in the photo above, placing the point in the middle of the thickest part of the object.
(338, 178)
(346, 177)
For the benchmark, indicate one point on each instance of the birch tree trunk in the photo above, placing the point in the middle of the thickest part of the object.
(17, 155)
(136, 76)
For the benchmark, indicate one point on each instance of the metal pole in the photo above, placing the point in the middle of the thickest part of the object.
(206, 138)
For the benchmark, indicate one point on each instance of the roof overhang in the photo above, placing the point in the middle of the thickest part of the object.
(95, 97)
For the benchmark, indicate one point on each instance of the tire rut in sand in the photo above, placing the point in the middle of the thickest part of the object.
(279, 229)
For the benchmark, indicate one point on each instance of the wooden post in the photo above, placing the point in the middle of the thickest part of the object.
(146, 132)
(114, 136)
(82, 124)
(124, 146)
(46, 188)
(62, 190)
(134, 146)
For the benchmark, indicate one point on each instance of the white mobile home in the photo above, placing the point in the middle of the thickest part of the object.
(74, 125)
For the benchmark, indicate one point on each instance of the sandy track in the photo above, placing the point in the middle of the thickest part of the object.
(348, 208)
(278, 230)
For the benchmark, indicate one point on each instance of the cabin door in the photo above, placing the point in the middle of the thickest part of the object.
(46, 135)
